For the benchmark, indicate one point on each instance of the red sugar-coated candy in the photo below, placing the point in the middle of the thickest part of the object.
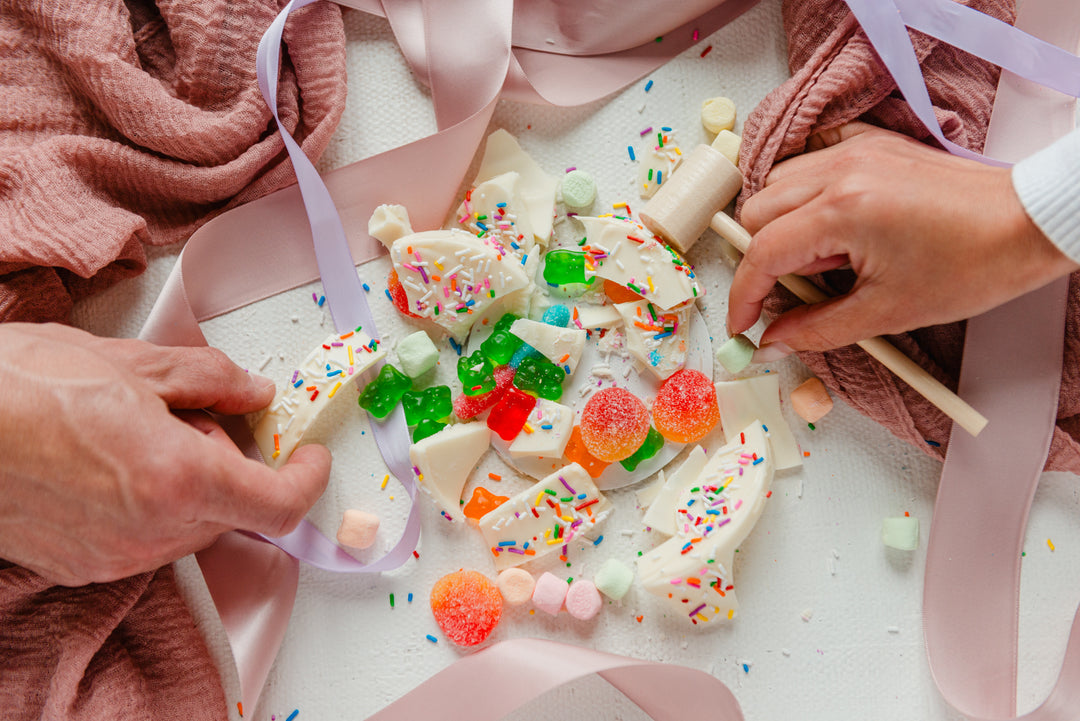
(619, 293)
(508, 416)
(467, 606)
(397, 294)
(685, 408)
(614, 424)
(466, 407)
(576, 452)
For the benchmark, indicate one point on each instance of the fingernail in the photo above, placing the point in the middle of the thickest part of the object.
(262, 382)
(772, 352)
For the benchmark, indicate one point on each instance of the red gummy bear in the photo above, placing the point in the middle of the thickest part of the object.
(397, 294)
(466, 407)
(510, 413)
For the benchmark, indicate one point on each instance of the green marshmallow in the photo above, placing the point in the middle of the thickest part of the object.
(900, 533)
(614, 579)
(578, 190)
(736, 353)
(417, 354)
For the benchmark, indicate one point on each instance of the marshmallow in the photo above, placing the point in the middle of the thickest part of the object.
(357, 529)
(417, 354)
(718, 114)
(736, 353)
(516, 585)
(388, 223)
(728, 144)
(900, 533)
(811, 400)
(614, 579)
(549, 593)
(578, 190)
(583, 600)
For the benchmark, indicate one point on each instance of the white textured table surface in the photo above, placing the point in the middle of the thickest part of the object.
(816, 551)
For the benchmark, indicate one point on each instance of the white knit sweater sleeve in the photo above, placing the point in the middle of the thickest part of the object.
(1048, 184)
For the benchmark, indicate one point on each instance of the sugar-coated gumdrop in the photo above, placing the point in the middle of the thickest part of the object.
(358, 529)
(467, 606)
(466, 407)
(432, 404)
(557, 315)
(540, 376)
(549, 593)
(583, 600)
(398, 295)
(508, 416)
(481, 503)
(685, 408)
(619, 293)
(614, 424)
(381, 395)
(652, 445)
(516, 585)
(476, 374)
(425, 428)
(576, 452)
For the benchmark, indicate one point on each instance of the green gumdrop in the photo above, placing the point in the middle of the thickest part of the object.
(500, 346)
(432, 404)
(540, 377)
(425, 428)
(652, 445)
(381, 395)
(476, 374)
(563, 267)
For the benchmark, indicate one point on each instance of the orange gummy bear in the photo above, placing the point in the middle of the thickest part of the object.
(576, 452)
(482, 502)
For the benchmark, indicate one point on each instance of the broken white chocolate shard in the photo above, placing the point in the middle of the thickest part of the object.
(388, 223)
(692, 570)
(624, 252)
(546, 431)
(446, 459)
(545, 517)
(656, 168)
(494, 209)
(335, 364)
(659, 339)
(450, 277)
(744, 400)
(661, 514)
(592, 317)
(561, 346)
(502, 154)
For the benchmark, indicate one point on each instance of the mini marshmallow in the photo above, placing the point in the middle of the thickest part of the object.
(417, 354)
(811, 400)
(578, 190)
(583, 600)
(728, 144)
(718, 114)
(358, 529)
(549, 593)
(736, 353)
(614, 578)
(900, 533)
(516, 585)
(388, 223)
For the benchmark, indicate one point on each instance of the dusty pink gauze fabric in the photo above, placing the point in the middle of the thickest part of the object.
(123, 124)
(836, 78)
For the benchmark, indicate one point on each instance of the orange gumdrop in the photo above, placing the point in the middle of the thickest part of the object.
(685, 408)
(614, 424)
(467, 606)
(482, 502)
(620, 293)
(576, 452)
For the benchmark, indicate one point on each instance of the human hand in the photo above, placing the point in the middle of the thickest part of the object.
(931, 237)
(100, 479)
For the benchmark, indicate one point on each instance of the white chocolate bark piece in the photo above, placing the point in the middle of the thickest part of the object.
(450, 277)
(656, 168)
(388, 223)
(561, 346)
(446, 459)
(661, 514)
(493, 208)
(659, 339)
(591, 317)
(747, 399)
(536, 188)
(546, 432)
(712, 517)
(337, 362)
(521, 302)
(626, 253)
(545, 517)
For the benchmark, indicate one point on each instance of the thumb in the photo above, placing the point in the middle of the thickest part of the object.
(833, 323)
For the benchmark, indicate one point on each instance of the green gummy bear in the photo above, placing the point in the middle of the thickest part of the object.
(540, 377)
(432, 404)
(425, 428)
(563, 267)
(499, 347)
(475, 373)
(506, 321)
(381, 395)
(652, 445)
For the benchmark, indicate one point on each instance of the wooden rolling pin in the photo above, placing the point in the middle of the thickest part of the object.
(693, 199)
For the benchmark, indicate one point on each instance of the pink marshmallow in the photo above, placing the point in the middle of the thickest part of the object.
(549, 593)
(516, 586)
(358, 529)
(811, 400)
(583, 600)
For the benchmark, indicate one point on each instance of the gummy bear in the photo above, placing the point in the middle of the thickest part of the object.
(614, 424)
(524, 351)
(540, 377)
(652, 445)
(686, 408)
(432, 404)
(505, 321)
(466, 407)
(619, 293)
(475, 374)
(499, 347)
(510, 413)
(381, 395)
(397, 294)
(563, 266)
(482, 502)
(576, 452)
(427, 427)
(557, 315)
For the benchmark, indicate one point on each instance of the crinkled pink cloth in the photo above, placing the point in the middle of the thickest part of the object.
(123, 123)
(836, 78)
